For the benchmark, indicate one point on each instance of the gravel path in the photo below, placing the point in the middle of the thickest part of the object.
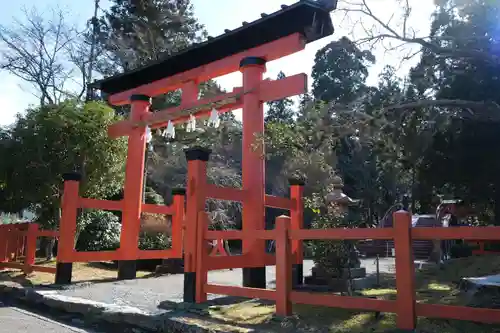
(146, 294)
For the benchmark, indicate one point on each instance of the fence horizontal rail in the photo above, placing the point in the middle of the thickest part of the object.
(240, 234)
(157, 209)
(12, 264)
(278, 202)
(241, 261)
(20, 225)
(43, 269)
(47, 233)
(468, 233)
(24, 267)
(17, 232)
(90, 256)
(345, 302)
(225, 193)
(487, 316)
(100, 204)
(342, 234)
(241, 292)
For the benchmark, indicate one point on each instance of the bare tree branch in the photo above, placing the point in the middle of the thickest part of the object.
(35, 49)
(381, 31)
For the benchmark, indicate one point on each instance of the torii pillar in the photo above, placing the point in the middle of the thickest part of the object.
(253, 166)
(133, 187)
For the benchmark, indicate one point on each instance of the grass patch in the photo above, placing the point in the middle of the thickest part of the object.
(433, 285)
(256, 315)
(82, 272)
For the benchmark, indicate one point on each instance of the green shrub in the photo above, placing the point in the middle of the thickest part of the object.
(154, 241)
(100, 231)
(332, 256)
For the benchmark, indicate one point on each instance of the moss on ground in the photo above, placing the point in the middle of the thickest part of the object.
(433, 285)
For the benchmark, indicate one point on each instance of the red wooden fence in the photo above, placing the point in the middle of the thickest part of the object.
(482, 248)
(71, 202)
(405, 306)
(18, 246)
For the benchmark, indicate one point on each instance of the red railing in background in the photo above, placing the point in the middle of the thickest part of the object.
(481, 250)
(405, 306)
(18, 247)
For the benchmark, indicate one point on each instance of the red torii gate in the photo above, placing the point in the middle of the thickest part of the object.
(246, 49)
(250, 97)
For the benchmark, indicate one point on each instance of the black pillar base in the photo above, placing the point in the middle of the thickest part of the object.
(127, 269)
(190, 287)
(297, 274)
(64, 271)
(254, 277)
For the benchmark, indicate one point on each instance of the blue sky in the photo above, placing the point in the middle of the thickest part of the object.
(216, 15)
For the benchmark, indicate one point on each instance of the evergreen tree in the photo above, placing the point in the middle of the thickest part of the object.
(134, 32)
(339, 72)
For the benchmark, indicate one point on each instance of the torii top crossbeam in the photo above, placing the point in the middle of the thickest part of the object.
(202, 61)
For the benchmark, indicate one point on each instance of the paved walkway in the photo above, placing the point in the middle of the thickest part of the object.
(15, 320)
(146, 294)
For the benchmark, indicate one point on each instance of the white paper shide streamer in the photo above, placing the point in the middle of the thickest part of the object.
(149, 135)
(191, 124)
(170, 131)
(213, 120)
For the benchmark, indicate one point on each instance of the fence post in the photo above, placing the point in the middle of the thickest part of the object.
(201, 255)
(20, 243)
(4, 238)
(67, 227)
(197, 158)
(297, 223)
(12, 242)
(283, 266)
(481, 247)
(405, 271)
(178, 195)
(29, 259)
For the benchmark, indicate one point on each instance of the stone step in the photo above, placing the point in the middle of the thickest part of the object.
(336, 284)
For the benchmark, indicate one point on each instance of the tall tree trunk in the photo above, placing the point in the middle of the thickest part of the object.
(49, 250)
(413, 189)
(496, 209)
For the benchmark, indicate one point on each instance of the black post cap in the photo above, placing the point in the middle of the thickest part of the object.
(179, 191)
(138, 97)
(75, 176)
(198, 154)
(296, 181)
(248, 61)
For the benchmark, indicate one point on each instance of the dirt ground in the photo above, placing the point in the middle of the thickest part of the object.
(82, 272)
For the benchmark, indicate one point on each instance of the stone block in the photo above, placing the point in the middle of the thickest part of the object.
(339, 284)
(482, 292)
(355, 273)
(170, 266)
